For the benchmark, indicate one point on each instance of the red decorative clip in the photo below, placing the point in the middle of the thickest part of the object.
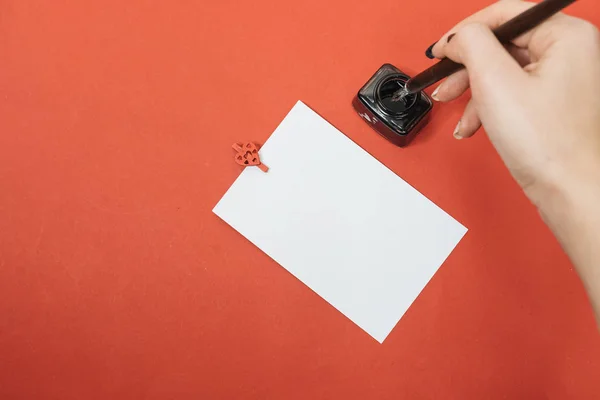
(247, 156)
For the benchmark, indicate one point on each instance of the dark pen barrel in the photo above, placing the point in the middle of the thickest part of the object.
(436, 73)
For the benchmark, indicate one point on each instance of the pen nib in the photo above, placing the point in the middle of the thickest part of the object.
(400, 94)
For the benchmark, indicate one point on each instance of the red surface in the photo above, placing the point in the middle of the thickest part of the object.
(117, 281)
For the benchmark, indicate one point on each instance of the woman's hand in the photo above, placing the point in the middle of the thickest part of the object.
(539, 102)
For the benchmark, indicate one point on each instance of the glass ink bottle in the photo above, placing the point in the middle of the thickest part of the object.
(397, 121)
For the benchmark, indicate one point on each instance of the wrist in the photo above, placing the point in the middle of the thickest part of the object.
(571, 210)
(567, 191)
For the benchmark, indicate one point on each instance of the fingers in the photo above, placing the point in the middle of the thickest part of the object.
(521, 55)
(455, 85)
(493, 74)
(531, 68)
(537, 40)
(560, 29)
(458, 83)
(469, 123)
(492, 16)
(489, 65)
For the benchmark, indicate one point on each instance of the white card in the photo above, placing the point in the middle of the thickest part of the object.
(340, 221)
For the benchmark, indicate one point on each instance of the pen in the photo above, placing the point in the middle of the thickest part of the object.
(505, 33)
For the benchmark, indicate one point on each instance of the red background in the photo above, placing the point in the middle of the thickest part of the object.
(117, 281)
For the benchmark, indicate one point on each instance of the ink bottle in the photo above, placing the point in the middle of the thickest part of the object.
(397, 121)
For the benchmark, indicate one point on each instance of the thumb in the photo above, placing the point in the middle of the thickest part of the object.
(488, 63)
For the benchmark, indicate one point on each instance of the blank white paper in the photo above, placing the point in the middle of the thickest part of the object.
(340, 221)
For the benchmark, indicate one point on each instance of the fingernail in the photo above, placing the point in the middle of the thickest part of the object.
(450, 38)
(429, 53)
(456, 133)
(435, 92)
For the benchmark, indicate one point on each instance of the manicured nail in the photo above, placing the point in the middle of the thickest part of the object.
(429, 53)
(456, 133)
(450, 38)
(435, 93)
